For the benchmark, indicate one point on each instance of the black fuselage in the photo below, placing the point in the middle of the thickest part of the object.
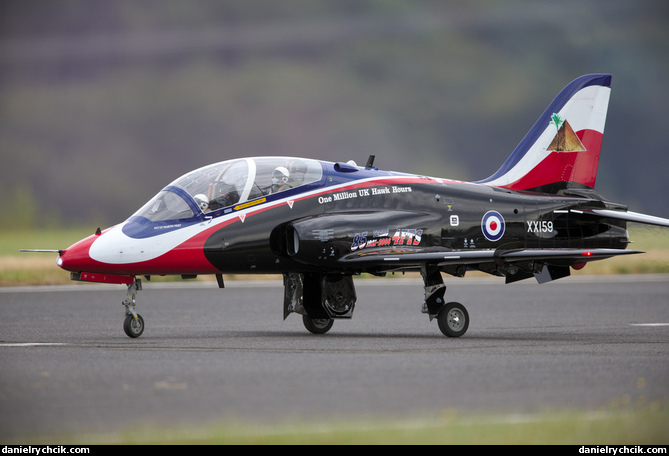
(315, 231)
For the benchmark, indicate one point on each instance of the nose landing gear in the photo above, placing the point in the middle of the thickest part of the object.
(133, 325)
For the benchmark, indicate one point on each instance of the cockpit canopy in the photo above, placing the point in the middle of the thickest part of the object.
(229, 183)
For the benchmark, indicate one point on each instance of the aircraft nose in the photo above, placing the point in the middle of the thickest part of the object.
(76, 258)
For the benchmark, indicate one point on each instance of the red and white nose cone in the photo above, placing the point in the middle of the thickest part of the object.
(113, 252)
(76, 258)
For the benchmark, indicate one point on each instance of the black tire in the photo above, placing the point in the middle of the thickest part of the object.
(317, 325)
(133, 328)
(453, 319)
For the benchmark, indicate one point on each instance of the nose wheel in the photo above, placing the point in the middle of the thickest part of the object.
(133, 326)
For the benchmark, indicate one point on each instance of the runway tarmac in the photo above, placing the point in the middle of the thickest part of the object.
(212, 355)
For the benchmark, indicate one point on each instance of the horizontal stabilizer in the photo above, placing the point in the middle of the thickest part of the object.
(628, 216)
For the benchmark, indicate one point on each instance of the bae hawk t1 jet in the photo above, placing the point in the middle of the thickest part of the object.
(321, 223)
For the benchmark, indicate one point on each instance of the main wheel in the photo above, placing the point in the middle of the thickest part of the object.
(133, 327)
(317, 325)
(453, 319)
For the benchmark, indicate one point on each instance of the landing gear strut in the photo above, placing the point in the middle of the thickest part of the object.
(133, 325)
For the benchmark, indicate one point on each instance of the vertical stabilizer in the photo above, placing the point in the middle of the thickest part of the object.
(562, 148)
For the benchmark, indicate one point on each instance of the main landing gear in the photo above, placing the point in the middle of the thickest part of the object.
(452, 317)
(133, 325)
(321, 299)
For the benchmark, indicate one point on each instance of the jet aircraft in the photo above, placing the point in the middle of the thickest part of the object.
(321, 223)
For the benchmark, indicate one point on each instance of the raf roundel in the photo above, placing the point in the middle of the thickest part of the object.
(493, 226)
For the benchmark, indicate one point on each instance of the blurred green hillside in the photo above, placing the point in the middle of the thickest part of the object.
(104, 103)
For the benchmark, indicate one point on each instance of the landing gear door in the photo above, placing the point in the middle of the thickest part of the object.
(319, 296)
(293, 296)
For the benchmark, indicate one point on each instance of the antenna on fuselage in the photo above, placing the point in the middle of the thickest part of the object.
(370, 162)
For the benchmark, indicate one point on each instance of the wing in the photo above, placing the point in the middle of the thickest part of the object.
(514, 264)
(410, 257)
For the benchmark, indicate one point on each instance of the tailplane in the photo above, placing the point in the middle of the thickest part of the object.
(562, 148)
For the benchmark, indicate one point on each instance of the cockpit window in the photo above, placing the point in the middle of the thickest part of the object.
(236, 181)
(275, 175)
(166, 206)
(229, 183)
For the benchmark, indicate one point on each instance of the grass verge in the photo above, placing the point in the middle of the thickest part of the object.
(638, 425)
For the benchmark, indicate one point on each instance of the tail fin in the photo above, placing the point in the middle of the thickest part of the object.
(562, 148)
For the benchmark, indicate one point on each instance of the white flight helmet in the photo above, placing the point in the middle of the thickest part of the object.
(202, 201)
(280, 176)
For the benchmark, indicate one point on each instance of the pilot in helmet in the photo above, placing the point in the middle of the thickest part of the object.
(279, 180)
(202, 201)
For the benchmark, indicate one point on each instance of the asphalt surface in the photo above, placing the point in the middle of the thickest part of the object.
(211, 355)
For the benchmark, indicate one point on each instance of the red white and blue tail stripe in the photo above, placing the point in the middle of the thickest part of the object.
(562, 148)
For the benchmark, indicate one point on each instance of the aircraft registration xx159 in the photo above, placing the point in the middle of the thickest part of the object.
(320, 223)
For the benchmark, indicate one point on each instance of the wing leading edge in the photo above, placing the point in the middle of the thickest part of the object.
(449, 257)
(515, 264)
